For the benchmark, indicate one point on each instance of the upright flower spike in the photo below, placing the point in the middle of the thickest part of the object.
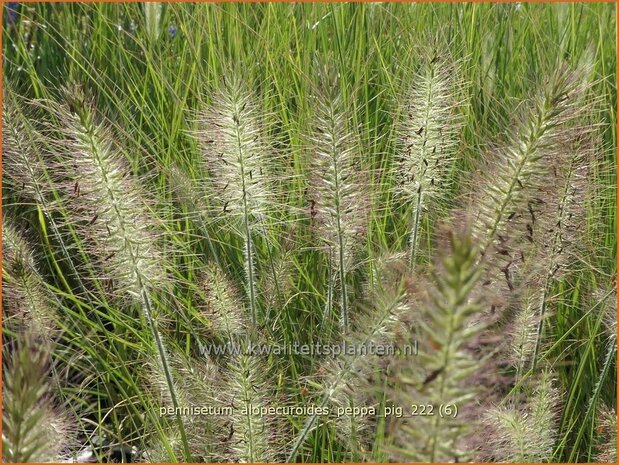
(109, 209)
(253, 436)
(152, 18)
(236, 155)
(339, 190)
(506, 195)
(443, 372)
(24, 294)
(32, 429)
(428, 133)
(197, 382)
(524, 433)
(555, 218)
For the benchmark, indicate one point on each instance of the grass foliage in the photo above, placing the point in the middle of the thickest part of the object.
(183, 178)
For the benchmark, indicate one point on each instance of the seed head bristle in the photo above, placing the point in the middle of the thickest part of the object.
(238, 156)
(33, 430)
(339, 189)
(524, 433)
(23, 170)
(108, 205)
(24, 294)
(222, 305)
(517, 172)
(429, 133)
(443, 373)
(506, 196)
(112, 216)
(253, 437)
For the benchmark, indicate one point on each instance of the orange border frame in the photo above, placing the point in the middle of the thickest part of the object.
(308, 1)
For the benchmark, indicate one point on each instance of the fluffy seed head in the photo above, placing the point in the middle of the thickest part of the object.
(236, 154)
(339, 193)
(222, 305)
(24, 294)
(524, 433)
(23, 170)
(32, 429)
(518, 168)
(429, 133)
(254, 438)
(443, 372)
(109, 206)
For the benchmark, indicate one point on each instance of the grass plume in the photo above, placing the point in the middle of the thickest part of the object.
(33, 430)
(110, 211)
(524, 433)
(24, 294)
(235, 152)
(443, 374)
(429, 133)
(339, 190)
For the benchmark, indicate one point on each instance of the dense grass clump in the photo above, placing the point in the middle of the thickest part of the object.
(309, 232)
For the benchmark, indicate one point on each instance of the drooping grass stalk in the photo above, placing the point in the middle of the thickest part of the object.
(429, 135)
(442, 374)
(339, 194)
(231, 137)
(109, 210)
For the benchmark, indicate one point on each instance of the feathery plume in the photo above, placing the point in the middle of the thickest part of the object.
(445, 368)
(519, 168)
(222, 305)
(508, 194)
(32, 429)
(23, 170)
(109, 209)
(27, 172)
(238, 158)
(524, 433)
(253, 437)
(429, 136)
(560, 221)
(24, 294)
(339, 191)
